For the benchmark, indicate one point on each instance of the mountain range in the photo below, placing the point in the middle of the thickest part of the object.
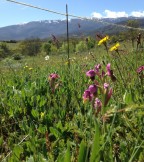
(77, 27)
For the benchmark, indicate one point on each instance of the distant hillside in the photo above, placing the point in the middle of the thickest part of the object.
(77, 27)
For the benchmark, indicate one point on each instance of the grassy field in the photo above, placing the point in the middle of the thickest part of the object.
(51, 111)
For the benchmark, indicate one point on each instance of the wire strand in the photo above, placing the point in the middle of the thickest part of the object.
(18, 145)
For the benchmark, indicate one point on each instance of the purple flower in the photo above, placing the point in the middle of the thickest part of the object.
(97, 67)
(97, 104)
(109, 94)
(93, 89)
(91, 74)
(108, 69)
(140, 69)
(53, 76)
(103, 73)
(106, 85)
(87, 96)
(52, 81)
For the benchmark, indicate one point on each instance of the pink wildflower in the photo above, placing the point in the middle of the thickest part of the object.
(87, 96)
(53, 76)
(108, 96)
(140, 69)
(52, 80)
(110, 72)
(106, 85)
(103, 73)
(97, 67)
(91, 74)
(108, 69)
(93, 89)
(97, 105)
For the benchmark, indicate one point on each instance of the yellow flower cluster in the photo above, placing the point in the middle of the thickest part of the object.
(25, 67)
(29, 68)
(115, 47)
(103, 40)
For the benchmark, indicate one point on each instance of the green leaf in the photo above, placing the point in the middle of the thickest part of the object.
(35, 113)
(96, 145)
(55, 132)
(82, 152)
(42, 101)
(127, 97)
(42, 129)
(67, 157)
(17, 150)
(1, 141)
(60, 158)
(30, 159)
(38, 97)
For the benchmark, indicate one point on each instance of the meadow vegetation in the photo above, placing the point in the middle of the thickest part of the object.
(88, 108)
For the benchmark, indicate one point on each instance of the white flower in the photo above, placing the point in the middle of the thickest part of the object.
(47, 58)
(86, 58)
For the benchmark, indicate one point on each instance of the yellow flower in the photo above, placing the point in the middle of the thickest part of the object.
(25, 67)
(86, 58)
(42, 115)
(103, 40)
(66, 63)
(30, 68)
(115, 47)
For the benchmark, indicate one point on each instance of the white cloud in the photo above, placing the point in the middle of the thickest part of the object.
(96, 15)
(113, 14)
(137, 14)
(109, 14)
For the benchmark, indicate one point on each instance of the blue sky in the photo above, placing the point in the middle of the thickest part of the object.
(11, 13)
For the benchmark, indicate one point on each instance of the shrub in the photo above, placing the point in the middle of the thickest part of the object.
(17, 56)
(4, 50)
(30, 47)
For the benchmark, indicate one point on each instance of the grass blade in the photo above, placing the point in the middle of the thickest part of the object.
(96, 145)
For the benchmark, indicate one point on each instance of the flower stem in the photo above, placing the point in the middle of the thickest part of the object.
(120, 73)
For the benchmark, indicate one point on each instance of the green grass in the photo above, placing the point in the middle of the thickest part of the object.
(39, 125)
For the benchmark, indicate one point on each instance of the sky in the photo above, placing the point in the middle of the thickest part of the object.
(11, 13)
